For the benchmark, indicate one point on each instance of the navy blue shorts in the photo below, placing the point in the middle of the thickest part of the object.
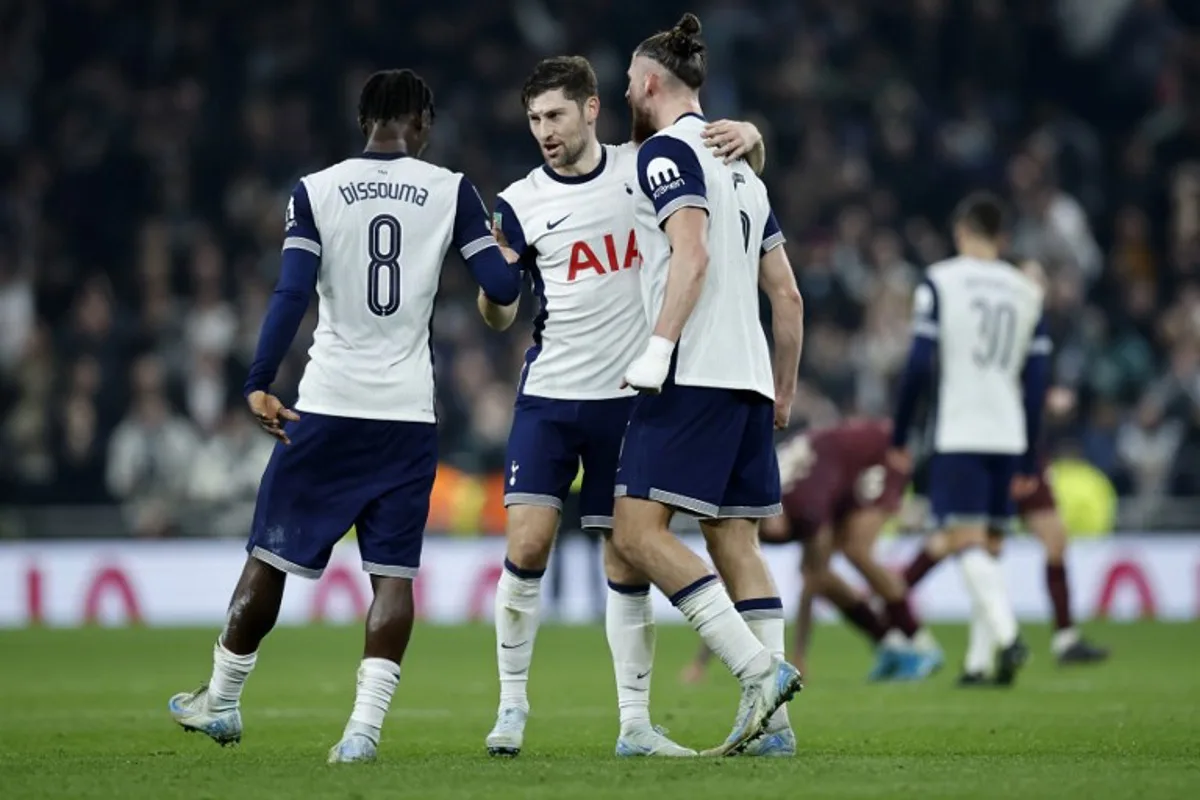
(971, 488)
(710, 452)
(376, 475)
(549, 440)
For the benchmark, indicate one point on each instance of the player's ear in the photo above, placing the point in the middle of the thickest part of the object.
(650, 83)
(591, 110)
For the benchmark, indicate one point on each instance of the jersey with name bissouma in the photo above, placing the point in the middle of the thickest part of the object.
(375, 229)
(723, 344)
(982, 319)
(575, 236)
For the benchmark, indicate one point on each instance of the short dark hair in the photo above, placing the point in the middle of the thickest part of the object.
(981, 213)
(680, 50)
(393, 94)
(573, 74)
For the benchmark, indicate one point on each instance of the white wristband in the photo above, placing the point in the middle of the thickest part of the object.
(660, 347)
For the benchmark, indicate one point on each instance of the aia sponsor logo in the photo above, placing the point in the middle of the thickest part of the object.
(604, 258)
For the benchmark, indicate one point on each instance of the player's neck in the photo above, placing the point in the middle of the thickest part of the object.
(675, 107)
(977, 248)
(384, 143)
(587, 162)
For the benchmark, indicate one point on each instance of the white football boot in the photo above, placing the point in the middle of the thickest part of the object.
(355, 746)
(761, 697)
(190, 710)
(649, 740)
(774, 743)
(509, 733)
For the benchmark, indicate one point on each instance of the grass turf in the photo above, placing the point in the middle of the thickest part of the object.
(83, 714)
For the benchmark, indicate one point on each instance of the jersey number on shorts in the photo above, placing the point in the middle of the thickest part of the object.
(997, 329)
(383, 245)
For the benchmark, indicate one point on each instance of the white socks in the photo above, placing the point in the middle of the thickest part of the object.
(764, 617)
(629, 623)
(228, 677)
(377, 679)
(710, 611)
(1064, 640)
(989, 596)
(517, 604)
(981, 648)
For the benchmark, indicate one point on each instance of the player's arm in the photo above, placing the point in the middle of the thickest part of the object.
(670, 175)
(1035, 378)
(733, 139)
(778, 282)
(499, 281)
(918, 370)
(299, 264)
(506, 227)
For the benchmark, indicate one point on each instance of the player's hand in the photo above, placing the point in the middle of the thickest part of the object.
(649, 371)
(1023, 486)
(900, 460)
(783, 412)
(506, 250)
(271, 414)
(730, 140)
(693, 673)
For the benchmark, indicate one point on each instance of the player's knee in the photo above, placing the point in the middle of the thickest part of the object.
(857, 553)
(530, 535)
(1053, 534)
(964, 537)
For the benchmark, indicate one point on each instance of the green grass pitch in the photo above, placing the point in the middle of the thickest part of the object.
(83, 714)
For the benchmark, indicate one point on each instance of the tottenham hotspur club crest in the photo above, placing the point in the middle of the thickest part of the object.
(512, 474)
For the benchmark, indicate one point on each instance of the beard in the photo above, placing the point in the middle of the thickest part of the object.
(643, 125)
(570, 152)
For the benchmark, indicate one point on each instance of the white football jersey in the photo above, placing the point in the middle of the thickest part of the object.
(576, 239)
(381, 224)
(983, 315)
(723, 344)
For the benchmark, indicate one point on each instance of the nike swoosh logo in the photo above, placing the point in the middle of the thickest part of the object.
(504, 646)
(644, 674)
(552, 225)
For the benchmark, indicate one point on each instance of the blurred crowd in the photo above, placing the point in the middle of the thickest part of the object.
(147, 152)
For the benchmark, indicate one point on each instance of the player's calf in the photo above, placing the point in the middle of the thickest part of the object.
(253, 609)
(629, 628)
(530, 533)
(985, 582)
(388, 629)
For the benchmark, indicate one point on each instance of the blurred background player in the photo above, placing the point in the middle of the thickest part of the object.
(977, 322)
(570, 221)
(1039, 515)
(838, 493)
(364, 453)
(700, 436)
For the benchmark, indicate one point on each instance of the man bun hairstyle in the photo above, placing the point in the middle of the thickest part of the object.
(680, 50)
(391, 95)
(573, 74)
